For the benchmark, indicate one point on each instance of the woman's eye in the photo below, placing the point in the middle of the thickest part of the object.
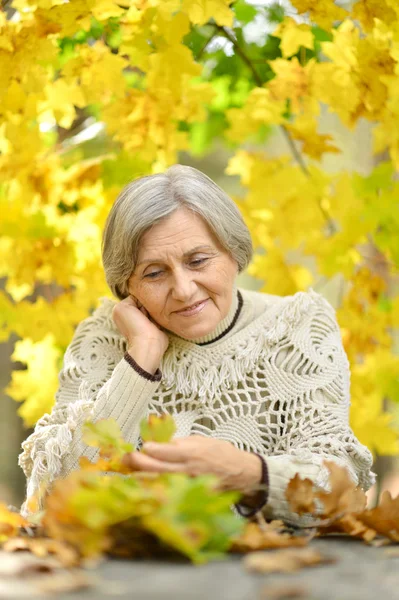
(198, 261)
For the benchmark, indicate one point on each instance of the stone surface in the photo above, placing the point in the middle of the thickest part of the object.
(361, 573)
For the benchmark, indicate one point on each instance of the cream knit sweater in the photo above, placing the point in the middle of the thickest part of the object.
(274, 381)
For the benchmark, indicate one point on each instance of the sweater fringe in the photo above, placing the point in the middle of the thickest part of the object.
(47, 453)
(186, 376)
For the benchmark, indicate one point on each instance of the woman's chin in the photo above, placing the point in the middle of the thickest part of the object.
(195, 330)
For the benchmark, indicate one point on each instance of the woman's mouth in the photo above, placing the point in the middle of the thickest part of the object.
(194, 310)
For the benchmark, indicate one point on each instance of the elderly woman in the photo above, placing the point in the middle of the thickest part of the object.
(258, 384)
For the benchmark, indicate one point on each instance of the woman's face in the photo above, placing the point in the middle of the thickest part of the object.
(180, 263)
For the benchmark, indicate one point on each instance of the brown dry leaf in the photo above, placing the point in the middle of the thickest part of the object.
(344, 496)
(42, 547)
(283, 592)
(61, 523)
(300, 495)
(351, 525)
(286, 560)
(10, 522)
(23, 574)
(384, 518)
(22, 564)
(64, 580)
(269, 535)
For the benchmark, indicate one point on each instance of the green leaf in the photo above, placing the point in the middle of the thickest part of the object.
(106, 435)
(222, 99)
(244, 12)
(203, 134)
(381, 178)
(157, 429)
(122, 169)
(275, 13)
(384, 303)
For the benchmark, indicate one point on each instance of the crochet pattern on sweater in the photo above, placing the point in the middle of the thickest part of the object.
(278, 384)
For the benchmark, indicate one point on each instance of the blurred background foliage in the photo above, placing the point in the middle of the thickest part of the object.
(291, 107)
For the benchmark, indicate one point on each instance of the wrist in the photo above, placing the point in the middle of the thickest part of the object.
(252, 475)
(253, 500)
(145, 356)
(146, 346)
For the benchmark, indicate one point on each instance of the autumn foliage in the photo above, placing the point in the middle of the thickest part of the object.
(105, 508)
(153, 78)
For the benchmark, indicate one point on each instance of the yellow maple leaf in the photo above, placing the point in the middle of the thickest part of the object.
(9, 523)
(61, 99)
(200, 11)
(103, 10)
(98, 72)
(169, 70)
(292, 81)
(42, 359)
(314, 144)
(170, 28)
(293, 35)
(280, 277)
(66, 18)
(260, 108)
(366, 11)
(355, 82)
(374, 429)
(322, 12)
(32, 5)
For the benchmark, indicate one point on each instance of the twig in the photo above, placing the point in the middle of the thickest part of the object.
(295, 152)
(241, 53)
(204, 47)
(298, 156)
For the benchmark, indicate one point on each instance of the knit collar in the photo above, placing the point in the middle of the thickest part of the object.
(225, 326)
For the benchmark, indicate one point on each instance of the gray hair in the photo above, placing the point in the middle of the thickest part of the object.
(147, 200)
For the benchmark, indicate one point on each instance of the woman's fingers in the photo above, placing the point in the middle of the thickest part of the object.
(170, 452)
(138, 461)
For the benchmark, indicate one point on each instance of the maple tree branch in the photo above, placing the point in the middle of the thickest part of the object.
(290, 141)
(297, 155)
(241, 53)
(204, 47)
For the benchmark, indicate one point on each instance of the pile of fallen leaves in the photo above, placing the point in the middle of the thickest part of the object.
(343, 508)
(104, 508)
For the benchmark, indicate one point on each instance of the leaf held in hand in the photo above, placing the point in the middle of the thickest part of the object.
(106, 435)
(157, 429)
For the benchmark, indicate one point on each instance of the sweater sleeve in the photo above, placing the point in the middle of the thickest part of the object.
(315, 425)
(96, 382)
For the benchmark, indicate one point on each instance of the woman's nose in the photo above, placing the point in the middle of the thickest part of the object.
(183, 287)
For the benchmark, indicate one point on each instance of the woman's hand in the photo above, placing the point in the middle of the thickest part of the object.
(135, 323)
(198, 455)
